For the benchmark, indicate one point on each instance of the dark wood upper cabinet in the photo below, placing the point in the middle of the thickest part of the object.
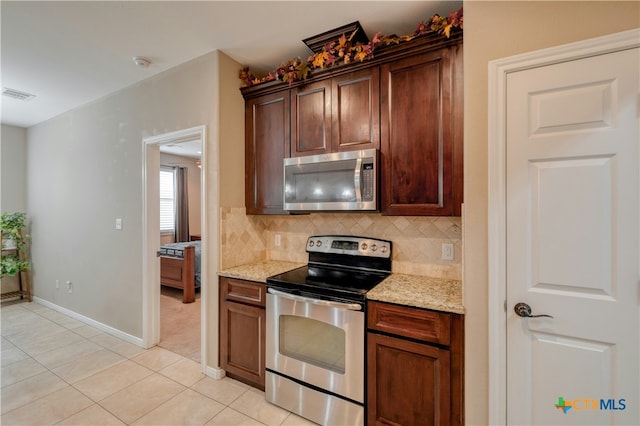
(337, 114)
(356, 110)
(421, 125)
(407, 101)
(267, 144)
(311, 119)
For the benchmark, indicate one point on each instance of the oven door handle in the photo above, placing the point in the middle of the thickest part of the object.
(328, 303)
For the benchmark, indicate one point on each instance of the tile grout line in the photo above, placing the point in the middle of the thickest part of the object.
(49, 370)
(71, 385)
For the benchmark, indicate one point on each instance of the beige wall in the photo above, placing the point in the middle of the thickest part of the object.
(13, 152)
(13, 178)
(495, 30)
(225, 180)
(85, 169)
(231, 133)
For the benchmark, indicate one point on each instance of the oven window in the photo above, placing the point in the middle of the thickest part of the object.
(314, 342)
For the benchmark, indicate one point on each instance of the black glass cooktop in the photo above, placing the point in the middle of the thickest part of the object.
(327, 282)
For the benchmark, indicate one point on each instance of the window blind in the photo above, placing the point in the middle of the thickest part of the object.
(167, 200)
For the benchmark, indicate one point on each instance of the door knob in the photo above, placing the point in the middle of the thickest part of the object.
(523, 310)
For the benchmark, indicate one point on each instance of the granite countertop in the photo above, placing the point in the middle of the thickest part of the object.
(420, 291)
(260, 271)
(411, 290)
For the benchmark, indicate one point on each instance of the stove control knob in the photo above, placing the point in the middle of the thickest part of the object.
(384, 249)
(318, 243)
(311, 244)
(374, 247)
(364, 246)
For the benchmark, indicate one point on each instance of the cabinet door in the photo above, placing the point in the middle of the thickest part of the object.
(355, 110)
(338, 114)
(242, 342)
(267, 144)
(418, 135)
(311, 119)
(408, 383)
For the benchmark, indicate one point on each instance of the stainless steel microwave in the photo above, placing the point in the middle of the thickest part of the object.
(332, 182)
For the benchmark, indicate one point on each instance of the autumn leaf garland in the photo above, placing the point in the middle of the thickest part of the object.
(343, 50)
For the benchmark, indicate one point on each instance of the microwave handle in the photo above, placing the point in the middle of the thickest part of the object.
(356, 179)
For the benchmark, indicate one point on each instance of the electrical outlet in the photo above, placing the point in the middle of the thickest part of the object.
(447, 251)
(57, 283)
(119, 223)
(277, 240)
(69, 287)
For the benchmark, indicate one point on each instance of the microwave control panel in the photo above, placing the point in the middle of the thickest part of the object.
(368, 177)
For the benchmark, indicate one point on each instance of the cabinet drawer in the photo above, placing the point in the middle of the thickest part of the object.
(248, 292)
(428, 326)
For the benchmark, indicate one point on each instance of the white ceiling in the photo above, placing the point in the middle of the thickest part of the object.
(191, 149)
(71, 53)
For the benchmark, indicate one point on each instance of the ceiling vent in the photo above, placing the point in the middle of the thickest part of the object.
(17, 94)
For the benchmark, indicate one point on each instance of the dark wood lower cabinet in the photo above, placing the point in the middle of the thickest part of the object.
(414, 356)
(409, 382)
(414, 366)
(242, 331)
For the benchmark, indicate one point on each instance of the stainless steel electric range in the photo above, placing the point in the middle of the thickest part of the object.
(315, 349)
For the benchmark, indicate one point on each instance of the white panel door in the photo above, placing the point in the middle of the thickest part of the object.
(572, 242)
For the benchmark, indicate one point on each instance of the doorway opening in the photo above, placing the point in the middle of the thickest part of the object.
(180, 227)
(167, 321)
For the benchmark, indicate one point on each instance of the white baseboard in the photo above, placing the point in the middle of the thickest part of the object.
(100, 326)
(215, 372)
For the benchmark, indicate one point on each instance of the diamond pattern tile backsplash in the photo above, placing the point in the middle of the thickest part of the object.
(417, 240)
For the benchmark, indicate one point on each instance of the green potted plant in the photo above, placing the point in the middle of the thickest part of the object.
(14, 242)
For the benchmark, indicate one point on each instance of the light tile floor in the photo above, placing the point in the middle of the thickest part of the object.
(56, 370)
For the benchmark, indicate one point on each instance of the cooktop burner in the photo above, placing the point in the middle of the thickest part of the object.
(325, 281)
(340, 268)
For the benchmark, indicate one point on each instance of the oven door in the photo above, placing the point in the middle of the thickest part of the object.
(317, 342)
